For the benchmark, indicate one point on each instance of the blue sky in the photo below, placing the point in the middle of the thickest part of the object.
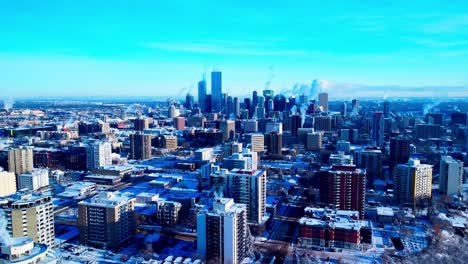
(158, 48)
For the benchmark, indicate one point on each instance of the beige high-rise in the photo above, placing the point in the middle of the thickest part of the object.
(20, 160)
(31, 215)
(7, 183)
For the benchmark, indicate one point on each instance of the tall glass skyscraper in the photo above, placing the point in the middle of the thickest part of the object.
(216, 91)
(202, 94)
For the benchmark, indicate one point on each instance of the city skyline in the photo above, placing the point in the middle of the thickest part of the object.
(150, 49)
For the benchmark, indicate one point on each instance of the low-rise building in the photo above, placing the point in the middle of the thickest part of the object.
(334, 229)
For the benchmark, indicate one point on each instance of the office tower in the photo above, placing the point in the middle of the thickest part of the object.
(386, 109)
(244, 114)
(140, 146)
(254, 98)
(296, 123)
(344, 134)
(434, 118)
(208, 103)
(269, 105)
(425, 131)
(20, 160)
(458, 118)
(314, 141)
(7, 183)
(322, 123)
(279, 103)
(106, 220)
(33, 181)
(451, 176)
(355, 106)
(228, 128)
(343, 188)
(274, 144)
(371, 160)
(31, 215)
(323, 102)
(189, 101)
(167, 212)
(256, 142)
(202, 95)
(231, 148)
(268, 94)
(250, 125)
(343, 109)
(230, 106)
(179, 123)
(222, 233)
(276, 127)
(412, 182)
(399, 151)
(343, 145)
(236, 106)
(216, 91)
(292, 102)
(312, 107)
(208, 169)
(247, 187)
(169, 142)
(98, 154)
(141, 123)
(377, 130)
(303, 99)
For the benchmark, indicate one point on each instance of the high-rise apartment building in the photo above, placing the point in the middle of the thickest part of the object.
(399, 150)
(169, 142)
(371, 160)
(451, 176)
(314, 140)
(7, 183)
(222, 233)
(141, 123)
(343, 187)
(20, 160)
(140, 146)
(31, 215)
(106, 220)
(244, 186)
(274, 144)
(35, 180)
(179, 123)
(412, 182)
(98, 154)
(228, 127)
(256, 141)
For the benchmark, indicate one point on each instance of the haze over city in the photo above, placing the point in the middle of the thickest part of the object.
(154, 48)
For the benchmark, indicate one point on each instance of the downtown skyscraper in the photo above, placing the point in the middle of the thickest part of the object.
(216, 91)
(202, 95)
